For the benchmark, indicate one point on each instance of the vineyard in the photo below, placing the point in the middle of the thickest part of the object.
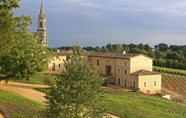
(174, 82)
(169, 70)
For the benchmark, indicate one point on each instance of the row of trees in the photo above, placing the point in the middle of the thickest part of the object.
(172, 56)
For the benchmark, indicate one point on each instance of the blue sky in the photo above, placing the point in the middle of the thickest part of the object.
(99, 22)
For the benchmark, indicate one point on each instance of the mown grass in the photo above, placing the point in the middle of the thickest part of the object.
(135, 105)
(16, 106)
(40, 79)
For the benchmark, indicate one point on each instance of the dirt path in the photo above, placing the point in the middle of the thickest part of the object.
(26, 90)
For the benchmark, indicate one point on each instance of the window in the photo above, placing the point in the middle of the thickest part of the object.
(40, 24)
(134, 83)
(118, 81)
(145, 84)
(97, 62)
(154, 83)
(59, 65)
(118, 70)
(125, 72)
(125, 82)
(40, 35)
(108, 61)
(125, 63)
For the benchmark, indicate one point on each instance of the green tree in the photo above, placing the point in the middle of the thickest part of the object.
(77, 92)
(141, 46)
(163, 47)
(26, 57)
(7, 26)
(97, 49)
(117, 48)
(109, 47)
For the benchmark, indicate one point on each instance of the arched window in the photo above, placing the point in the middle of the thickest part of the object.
(40, 24)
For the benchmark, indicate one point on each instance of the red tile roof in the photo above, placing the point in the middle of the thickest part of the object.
(112, 55)
(145, 72)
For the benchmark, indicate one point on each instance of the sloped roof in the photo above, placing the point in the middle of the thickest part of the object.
(145, 72)
(64, 53)
(113, 55)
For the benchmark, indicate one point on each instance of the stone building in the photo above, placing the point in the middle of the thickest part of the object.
(127, 70)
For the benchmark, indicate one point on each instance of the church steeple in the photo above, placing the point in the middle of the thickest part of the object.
(41, 15)
(41, 30)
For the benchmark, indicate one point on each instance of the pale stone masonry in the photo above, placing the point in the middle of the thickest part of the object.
(128, 70)
(125, 70)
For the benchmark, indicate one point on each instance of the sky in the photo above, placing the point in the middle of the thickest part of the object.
(99, 22)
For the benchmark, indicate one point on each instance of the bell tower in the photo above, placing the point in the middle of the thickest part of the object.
(41, 30)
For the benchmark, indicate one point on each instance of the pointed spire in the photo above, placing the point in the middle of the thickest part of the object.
(41, 15)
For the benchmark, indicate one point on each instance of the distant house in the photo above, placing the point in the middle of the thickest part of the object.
(128, 70)
(56, 65)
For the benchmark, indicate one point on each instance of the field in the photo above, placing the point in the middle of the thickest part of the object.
(175, 83)
(120, 103)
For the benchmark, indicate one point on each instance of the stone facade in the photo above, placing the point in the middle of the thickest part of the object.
(128, 70)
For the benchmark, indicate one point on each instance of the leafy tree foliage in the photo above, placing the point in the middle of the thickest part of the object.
(97, 49)
(7, 26)
(77, 91)
(163, 47)
(25, 56)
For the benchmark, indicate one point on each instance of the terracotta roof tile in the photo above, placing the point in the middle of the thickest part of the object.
(112, 55)
(63, 53)
(145, 72)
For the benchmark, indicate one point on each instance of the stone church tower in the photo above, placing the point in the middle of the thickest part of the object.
(41, 30)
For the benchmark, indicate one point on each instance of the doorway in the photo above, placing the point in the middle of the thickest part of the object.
(148, 92)
(108, 70)
(53, 66)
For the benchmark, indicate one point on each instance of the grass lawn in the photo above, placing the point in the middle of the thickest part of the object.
(136, 105)
(16, 106)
